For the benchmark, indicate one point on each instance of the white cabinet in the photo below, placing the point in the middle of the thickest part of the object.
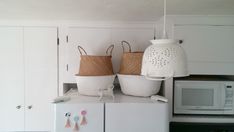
(29, 78)
(11, 79)
(124, 114)
(137, 117)
(95, 40)
(209, 48)
(40, 50)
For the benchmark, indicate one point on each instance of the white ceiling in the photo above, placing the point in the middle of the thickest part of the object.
(110, 10)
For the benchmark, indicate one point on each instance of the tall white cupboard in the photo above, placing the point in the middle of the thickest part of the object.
(28, 81)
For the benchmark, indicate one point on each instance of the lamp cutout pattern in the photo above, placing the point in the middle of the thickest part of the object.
(68, 122)
(76, 127)
(83, 118)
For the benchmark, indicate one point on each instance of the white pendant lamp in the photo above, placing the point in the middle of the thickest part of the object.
(165, 58)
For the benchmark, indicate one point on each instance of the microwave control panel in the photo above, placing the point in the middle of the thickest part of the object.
(229, 96)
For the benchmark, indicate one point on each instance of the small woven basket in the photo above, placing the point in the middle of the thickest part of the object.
(131, 61)
(91, 65)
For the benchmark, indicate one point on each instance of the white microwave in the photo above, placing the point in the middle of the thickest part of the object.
(203, 97)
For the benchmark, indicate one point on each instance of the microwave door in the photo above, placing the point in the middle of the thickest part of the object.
(198, 95)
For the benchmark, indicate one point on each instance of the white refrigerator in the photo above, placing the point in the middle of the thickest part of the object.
(124, 114)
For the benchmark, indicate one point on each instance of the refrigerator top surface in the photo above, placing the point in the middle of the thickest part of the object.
(75, 97)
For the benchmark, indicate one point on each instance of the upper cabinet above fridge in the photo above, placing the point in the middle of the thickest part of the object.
(209, 48)
(95, 40)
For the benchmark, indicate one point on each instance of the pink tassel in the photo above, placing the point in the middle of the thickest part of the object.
(83, 121)
(68, 123)
(76, 127)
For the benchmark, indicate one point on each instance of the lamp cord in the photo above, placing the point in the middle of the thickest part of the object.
(164, 20)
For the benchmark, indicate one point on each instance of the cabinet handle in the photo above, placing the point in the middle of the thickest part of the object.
(30, 107)
(181, 41)
(18, 107)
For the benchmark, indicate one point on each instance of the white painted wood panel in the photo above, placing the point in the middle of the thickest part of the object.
(95, 41)
(40, 77)
(209, 48)
(95, 116)
(136, 117)
(11, 79)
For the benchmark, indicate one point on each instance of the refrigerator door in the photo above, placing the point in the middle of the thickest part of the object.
(137, 117)
(66, 113)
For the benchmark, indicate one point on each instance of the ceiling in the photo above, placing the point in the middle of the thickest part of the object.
(110, 10)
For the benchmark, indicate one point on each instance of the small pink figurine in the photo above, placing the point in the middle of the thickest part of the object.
(68, 122)
(83, 118)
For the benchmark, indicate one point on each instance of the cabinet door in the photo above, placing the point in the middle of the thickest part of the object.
(94, 40)
(136, 117)
(94, 117)
(209, 48)
(40, 77)
(11, 79)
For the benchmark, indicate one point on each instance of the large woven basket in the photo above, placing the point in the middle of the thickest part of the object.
(91, 65)
(131, 61)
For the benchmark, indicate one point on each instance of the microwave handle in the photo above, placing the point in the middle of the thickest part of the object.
(223, 97)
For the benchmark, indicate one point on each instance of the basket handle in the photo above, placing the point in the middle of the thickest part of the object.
(129, 46)
(81, 49)
(110, 50)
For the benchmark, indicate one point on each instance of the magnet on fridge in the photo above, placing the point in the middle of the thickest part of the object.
(76, 127)
(83, 118)
(68, 122)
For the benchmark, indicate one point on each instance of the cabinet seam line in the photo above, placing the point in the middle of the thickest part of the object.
(104, 119)
(58, 63)
(24, 61)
